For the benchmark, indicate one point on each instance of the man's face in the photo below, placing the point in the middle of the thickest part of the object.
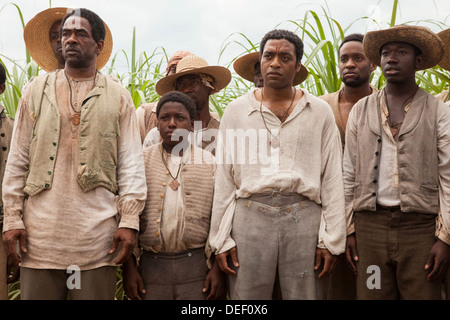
(278, 63)
(172, 116)
(78, 44)
(354, 67)
(55, 41)
(399, 61)
(257, 78)
(191, 84)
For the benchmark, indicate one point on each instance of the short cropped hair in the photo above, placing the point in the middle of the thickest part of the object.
(359, 37)
(177, 96)
(2, 74)
(284, 34)
(97, 25)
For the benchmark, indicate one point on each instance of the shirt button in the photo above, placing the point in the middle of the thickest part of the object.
(288, 210)
(157, 233)
(162, 195)
(261, 208)
(164, 183)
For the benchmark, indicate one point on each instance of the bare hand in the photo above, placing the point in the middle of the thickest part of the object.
(329, 262)
(126, 237)
(132, 280)
(223, 263)
(215, 283)
(351, 253)
(10, 239)
(438, 259)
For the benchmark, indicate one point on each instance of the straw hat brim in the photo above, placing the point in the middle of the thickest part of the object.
(423, 38)
(245, 67)
(445, 37)
(37, 39)
(222, 77)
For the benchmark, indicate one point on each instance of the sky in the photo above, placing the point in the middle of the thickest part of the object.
(203, 27)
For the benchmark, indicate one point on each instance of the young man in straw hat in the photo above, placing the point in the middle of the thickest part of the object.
(146, 113)
(396, 173)
(355, 70)
(445, 61)
(84, 174)
(278, 207)
(198, 80)
(43, 41)
(6, 128)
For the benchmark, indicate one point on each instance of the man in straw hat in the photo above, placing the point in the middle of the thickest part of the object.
(43, 41)
(355, 70)
(249, 67)
(278, 209)
(146, 113)
(396, 173)
(77, 144)
(6, 128)
(198, 80)
(445, 61)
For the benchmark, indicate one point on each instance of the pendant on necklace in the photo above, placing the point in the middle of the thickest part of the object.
(75, 118)
(174, 184)
(275, 143)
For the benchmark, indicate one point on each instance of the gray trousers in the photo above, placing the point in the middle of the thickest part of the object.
(47, 284)
(276, 233)
(179, 276)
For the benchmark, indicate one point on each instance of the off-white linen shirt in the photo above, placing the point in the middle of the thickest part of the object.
(307, 162)
(66, 226)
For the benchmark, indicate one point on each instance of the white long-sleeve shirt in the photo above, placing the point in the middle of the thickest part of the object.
(308, 162)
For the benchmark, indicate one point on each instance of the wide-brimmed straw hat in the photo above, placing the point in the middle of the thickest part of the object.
(37, 39)
(445, 37)
(192, 64)
(423, 38)
(245, 67)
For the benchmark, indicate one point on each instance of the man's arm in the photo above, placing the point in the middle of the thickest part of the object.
(130, 179)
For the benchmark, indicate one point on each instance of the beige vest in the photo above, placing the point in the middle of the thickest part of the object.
(198, 186)
(98, 133)
(417, 155)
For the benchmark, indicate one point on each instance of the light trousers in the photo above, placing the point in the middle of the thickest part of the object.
(276, 233)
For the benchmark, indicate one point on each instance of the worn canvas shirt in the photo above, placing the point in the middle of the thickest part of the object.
(308, 162)
(66, 226)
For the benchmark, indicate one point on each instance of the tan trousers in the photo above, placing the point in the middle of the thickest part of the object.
(46, 284)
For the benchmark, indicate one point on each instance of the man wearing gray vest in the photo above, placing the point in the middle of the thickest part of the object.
(397, 173)
(74, 184)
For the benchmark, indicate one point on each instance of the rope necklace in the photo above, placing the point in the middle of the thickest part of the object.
(174, 184)
(275, 141)
(75, 117)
